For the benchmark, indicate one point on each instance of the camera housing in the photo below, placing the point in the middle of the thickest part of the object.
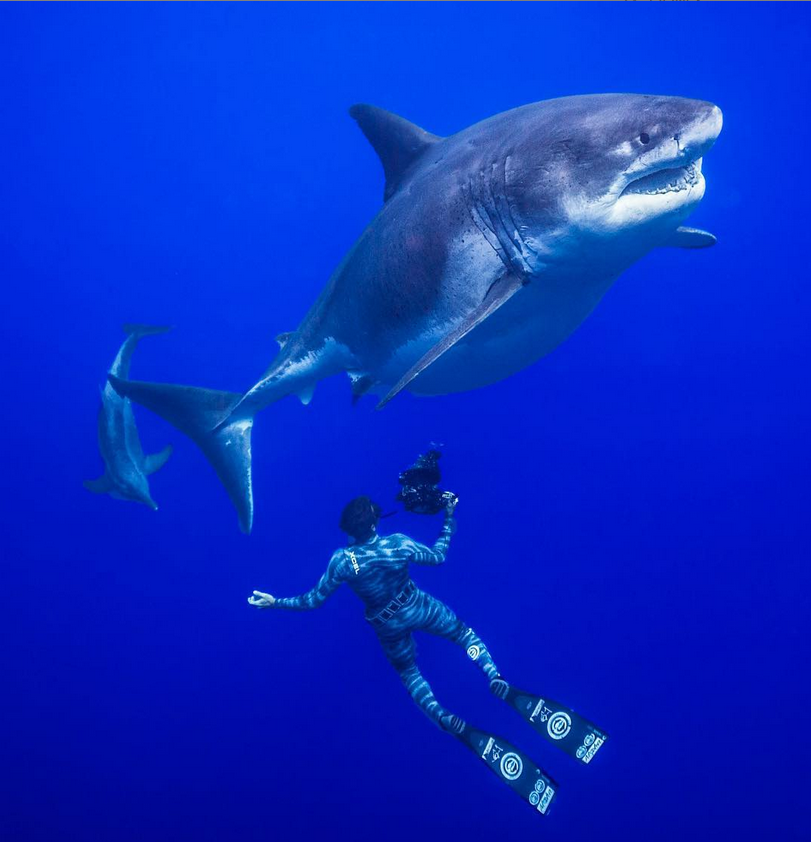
(420, 492)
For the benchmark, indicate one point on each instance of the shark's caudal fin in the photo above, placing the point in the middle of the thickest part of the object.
(397, 142)
(197, 413)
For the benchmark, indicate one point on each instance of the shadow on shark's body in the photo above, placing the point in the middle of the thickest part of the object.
(492, 246)
(125, 466)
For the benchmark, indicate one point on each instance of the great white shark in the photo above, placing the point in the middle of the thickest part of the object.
(491, 247)
(126, 468)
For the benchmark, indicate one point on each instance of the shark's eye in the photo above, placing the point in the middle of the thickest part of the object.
(644, 138)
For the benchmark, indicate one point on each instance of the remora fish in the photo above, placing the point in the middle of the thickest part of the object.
(492, 246)
(125, 466)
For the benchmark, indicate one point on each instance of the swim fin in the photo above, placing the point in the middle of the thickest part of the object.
(564, 728)
(517, 770)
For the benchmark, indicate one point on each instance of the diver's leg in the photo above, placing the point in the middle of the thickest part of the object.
(437, 618)
(420, 690)
(401, 652)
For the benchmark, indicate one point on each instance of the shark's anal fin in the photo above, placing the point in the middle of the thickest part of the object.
(203, 415)
(157, 460)
(397, 142)
(361, 383)
(499, 293)
(690, 238)
(102, 485)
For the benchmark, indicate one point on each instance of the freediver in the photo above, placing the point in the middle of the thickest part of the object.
(376, 567)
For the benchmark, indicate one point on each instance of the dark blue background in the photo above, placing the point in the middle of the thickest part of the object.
(633, 531)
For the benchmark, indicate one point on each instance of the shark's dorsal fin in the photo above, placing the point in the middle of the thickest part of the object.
(397, 142)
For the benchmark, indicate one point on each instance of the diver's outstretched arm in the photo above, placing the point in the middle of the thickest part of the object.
(315, 598)
(437, 553)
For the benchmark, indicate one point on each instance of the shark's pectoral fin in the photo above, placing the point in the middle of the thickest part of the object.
(499, 293)
(157, 460)
(690, 238)
(102, 485)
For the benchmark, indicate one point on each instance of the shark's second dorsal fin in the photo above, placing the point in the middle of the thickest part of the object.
(397, 142)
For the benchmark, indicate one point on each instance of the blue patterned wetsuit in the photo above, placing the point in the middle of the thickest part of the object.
(377, 571)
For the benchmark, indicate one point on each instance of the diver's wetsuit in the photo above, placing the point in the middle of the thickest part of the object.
(377, 571)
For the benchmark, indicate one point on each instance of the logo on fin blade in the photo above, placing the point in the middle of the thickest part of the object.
(559, 725)
(511, 766)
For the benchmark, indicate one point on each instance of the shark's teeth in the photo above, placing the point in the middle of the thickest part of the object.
(666, 181)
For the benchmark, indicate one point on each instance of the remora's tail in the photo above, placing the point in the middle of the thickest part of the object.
(145, 330)
(121, 364)
(197, 413)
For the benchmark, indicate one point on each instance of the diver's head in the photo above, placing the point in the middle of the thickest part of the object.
(359, 519)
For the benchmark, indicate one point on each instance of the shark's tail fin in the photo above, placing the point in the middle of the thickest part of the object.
(197, 413)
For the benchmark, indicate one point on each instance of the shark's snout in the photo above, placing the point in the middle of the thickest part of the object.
(701, 133)
(688, 131)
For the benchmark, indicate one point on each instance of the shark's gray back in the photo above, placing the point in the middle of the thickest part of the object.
(424, 258)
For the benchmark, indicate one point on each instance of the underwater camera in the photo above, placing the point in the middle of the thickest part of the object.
(420, 490)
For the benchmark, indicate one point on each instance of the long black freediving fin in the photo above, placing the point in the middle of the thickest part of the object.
(517, 770)
(499, 293)
(564, 728)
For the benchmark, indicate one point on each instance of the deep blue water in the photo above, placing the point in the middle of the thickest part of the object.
(633, 526)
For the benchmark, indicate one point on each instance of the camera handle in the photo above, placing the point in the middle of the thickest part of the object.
(450, 498)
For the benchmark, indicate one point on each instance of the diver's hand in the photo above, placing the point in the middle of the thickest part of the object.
(261, 600)
(450, 502)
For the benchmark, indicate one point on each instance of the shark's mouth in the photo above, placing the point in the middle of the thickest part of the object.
(666, 181)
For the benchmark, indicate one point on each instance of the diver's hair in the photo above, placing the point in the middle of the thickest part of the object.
(359, 518)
